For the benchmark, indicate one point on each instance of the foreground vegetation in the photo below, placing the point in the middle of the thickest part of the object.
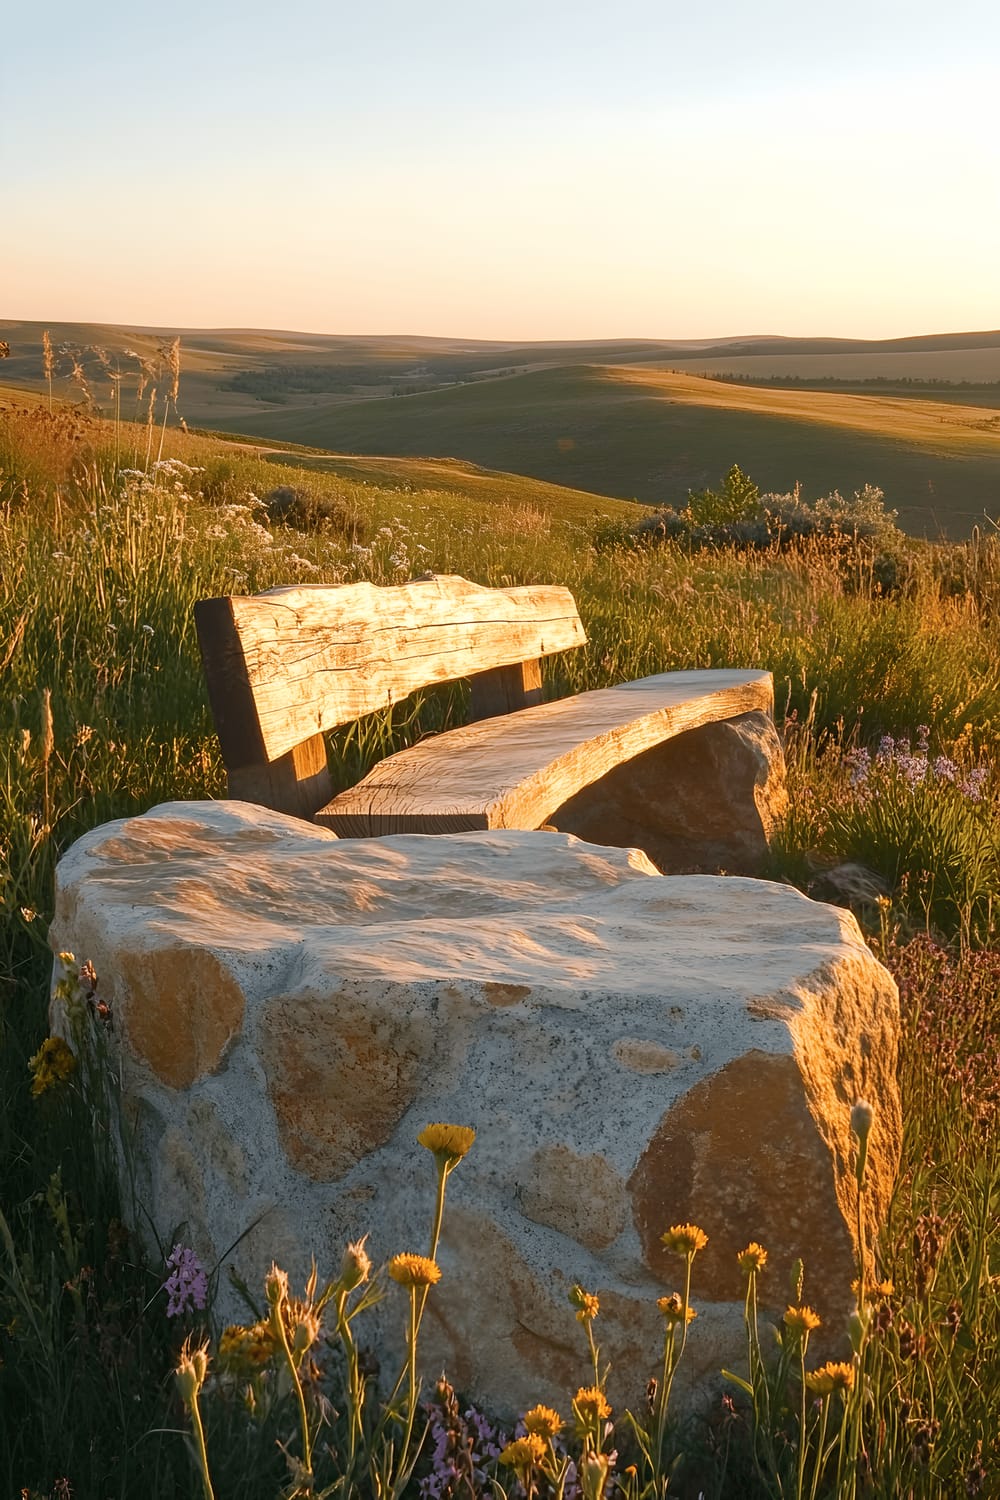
(890, 696)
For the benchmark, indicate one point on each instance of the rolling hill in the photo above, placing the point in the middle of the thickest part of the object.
(652, 435)
(627, 418)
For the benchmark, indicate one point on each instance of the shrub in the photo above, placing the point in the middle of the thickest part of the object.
(306, 510)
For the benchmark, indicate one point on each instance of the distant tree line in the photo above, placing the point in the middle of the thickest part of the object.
(914, 382)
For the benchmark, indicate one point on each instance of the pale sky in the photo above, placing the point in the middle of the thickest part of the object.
(527, 169)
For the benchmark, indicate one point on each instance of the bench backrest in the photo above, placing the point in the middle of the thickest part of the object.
(284, 666)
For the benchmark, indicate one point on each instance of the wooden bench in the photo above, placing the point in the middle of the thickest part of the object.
(284, 667)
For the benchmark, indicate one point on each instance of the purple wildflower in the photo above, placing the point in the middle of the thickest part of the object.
(974, 784)
(945, 769)
(187, 1285)
(923, 738)
(859, 763)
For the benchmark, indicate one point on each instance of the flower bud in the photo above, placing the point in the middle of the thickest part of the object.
(594, 1475)
(276, 1286)
(862, 1119)
(355, 1268)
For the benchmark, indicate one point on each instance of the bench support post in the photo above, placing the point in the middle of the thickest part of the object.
(503, 690)
(296, 783)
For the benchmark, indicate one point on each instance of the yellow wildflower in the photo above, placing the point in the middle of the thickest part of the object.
(874, 1293)
(448, 1143)
(753, 1258)
(684, 1239)
(414, 1270)
(801, 1319)
(829, 1378)
(543, 1422)
(586, 1304)
(524, 1453)
(53, 1063)
(243, 1350)
(673, 1309)
(590, 1403)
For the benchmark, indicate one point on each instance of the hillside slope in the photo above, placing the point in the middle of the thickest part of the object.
(639, 432)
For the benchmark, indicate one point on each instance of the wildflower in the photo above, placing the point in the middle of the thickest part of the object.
(192, 1367)
(586, 1303)
(355, 1268)
(448, 1143)
(306, 1327)
(753, 1258)
(673, 1309)
(684, 1239)
(876, 1293)
(187, 1285)
(244, 1350)
(276, 1286)
(524, 1454)
(52, 1064)
(543, 1422)
(414, 1270)
(829, 1378)
(801, 1319)
(591, 1404)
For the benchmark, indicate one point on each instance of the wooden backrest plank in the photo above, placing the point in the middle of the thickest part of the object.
(288, 664)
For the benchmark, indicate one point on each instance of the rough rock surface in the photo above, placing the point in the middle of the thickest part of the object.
(634, 1051)
(706, 802)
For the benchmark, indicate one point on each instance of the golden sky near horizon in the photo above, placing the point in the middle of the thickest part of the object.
(529, 171)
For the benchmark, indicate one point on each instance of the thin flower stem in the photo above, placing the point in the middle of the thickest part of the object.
(402, 1474)
(202, 1448)
(278, 1324)
(801, 1474)
(818, 1469)
(355, 1388)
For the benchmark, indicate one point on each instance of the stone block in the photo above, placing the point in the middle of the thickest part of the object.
(633, 1050)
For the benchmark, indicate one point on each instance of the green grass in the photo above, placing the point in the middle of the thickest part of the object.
(652, 435)
(98, 578)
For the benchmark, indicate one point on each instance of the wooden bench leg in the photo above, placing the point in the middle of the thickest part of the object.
(297, 783)
(503, 690)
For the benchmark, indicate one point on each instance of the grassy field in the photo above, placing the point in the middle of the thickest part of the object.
(652, 435)
(102, 555)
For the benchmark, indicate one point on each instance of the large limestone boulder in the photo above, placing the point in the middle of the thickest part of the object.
(634, 1051)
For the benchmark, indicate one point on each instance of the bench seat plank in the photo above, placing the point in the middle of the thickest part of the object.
(515, 771)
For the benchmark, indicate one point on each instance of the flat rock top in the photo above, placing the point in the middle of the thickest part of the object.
(529, 907)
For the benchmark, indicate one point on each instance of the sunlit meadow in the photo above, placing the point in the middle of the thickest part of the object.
(115, 1378)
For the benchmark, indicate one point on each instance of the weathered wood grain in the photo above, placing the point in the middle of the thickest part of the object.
(286, 665)
(515, 772)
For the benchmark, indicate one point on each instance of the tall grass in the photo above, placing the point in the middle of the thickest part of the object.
(105, 714)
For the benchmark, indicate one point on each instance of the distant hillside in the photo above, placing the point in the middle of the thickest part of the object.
(628, 418)
(652, 435)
